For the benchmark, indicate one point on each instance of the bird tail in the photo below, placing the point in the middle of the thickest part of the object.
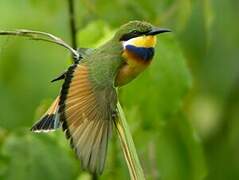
(50, 120)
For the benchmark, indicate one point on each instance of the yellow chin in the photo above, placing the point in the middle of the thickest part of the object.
(143, 41)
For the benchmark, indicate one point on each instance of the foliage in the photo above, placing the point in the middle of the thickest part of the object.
(183, 110)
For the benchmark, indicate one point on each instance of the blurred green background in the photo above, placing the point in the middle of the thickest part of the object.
(183, 110)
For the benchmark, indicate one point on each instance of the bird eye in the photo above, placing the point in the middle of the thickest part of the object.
(131, 34)
(134, 32)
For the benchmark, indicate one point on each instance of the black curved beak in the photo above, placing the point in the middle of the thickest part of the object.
(157, 30)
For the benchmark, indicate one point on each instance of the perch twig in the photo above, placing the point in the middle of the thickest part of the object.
(42, 36)
(128, 147)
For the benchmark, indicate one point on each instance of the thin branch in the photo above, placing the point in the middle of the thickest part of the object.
(128, 147)
(42, 36)
(72, 23)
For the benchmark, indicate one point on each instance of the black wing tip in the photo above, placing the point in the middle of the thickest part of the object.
(61, 77)
(47, 123)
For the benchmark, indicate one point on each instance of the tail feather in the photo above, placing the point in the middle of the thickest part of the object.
(49, 121)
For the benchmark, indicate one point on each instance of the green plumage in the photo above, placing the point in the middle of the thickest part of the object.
(87, 103)
(104, 63)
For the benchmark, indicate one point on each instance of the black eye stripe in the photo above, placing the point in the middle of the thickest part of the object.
(131, 35)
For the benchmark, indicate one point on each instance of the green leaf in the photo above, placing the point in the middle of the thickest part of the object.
(179, 151)
(93, 34)
(36, 156)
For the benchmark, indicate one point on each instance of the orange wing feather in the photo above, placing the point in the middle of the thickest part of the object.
(86, 113)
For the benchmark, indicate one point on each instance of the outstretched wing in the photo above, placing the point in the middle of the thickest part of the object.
(86, 112)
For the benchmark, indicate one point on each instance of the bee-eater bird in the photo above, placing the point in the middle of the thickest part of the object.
(86, 106)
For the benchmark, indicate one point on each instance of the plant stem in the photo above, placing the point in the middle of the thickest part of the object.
(42, 36)
(72, 22)
(128, 147)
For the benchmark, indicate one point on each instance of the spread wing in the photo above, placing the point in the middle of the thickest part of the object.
(86, 112)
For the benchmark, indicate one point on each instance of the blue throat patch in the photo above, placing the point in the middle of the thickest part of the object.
(145, 54)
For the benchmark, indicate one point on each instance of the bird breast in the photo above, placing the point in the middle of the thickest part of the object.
(136, 60)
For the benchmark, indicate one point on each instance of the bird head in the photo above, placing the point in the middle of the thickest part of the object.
(139, 38)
